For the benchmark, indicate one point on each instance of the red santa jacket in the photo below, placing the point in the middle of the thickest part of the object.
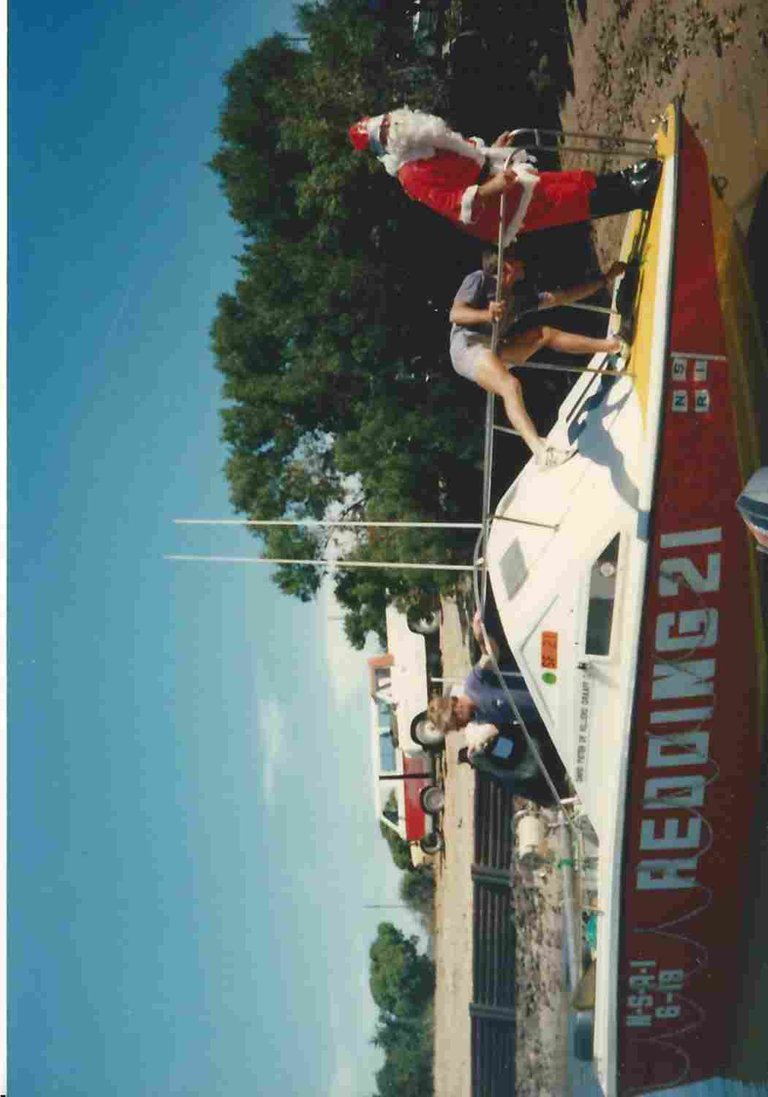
(447, 183)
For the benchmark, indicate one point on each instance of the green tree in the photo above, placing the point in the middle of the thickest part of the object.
(402, 986)
(417, 890)
(402, 981)
(407, 1046)
(332, 343)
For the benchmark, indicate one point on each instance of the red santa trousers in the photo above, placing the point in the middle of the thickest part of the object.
(559, 198)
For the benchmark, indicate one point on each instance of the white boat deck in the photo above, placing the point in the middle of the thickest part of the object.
(570, 596)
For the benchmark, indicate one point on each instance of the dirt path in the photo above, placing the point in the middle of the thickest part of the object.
(453, 897)
(631, 57)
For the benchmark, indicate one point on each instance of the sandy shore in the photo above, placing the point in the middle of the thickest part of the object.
(453, 896)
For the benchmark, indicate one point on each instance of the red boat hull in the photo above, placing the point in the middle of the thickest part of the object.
(697, 722)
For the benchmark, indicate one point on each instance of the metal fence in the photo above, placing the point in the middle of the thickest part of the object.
(493, 992)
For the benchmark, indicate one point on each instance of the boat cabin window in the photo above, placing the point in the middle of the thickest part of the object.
(602, 593)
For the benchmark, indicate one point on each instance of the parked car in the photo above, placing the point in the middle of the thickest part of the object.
(400, 680)
(408, 799)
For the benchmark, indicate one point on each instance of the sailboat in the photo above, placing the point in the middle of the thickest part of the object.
(629, 594)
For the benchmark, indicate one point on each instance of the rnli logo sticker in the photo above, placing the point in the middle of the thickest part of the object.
(549, 650)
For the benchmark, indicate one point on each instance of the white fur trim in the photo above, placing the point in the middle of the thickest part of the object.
(467, 202)
(414, 135)
(529, 177)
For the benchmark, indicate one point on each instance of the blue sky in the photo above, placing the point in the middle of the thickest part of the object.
(192, 843)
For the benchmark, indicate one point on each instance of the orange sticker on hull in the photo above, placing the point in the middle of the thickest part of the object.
(549, 650)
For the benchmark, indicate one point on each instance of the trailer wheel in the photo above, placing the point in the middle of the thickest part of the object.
(425, 624)
(432, 843)
(432, 799)
(426, 734)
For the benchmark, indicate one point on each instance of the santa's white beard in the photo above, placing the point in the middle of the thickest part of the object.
(414, 135)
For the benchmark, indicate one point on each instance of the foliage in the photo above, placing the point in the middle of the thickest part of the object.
(339, 395)
(398, 847)
(417, 890)
(407, 1045)
(402, 981)
(402, 985)
(332, 344)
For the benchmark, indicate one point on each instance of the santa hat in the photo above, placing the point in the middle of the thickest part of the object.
(366, 134)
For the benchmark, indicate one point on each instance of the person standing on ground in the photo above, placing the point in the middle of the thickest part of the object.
(495, 745)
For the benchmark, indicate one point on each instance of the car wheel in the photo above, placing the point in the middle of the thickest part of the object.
(433, 799)
(424, 732)
(426, 624)
(432, 843)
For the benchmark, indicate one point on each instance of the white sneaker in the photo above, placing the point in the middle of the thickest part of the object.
(552, 458)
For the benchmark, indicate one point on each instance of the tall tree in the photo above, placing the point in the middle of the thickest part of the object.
(332, 344)
(402, 980)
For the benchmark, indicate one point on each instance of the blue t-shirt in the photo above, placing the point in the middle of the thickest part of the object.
(491, 705)
(479, 289)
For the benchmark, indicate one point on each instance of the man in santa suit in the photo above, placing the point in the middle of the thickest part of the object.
(463, 179)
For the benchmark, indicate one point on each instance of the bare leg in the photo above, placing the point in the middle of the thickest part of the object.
(569, 343)
(493, 376)
(492, 372)
(520, 347)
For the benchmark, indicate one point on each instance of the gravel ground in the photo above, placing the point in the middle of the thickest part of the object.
(632, 57)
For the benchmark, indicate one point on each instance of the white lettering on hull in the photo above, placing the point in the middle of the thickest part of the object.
(677, 738)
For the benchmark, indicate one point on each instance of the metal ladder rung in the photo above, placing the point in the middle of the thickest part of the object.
(606, 370)
(602, 142)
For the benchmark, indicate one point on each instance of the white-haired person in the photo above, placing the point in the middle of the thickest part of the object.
(493, 739)
(472, 315)
(463, 179)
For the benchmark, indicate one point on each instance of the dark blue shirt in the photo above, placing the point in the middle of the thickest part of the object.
(479, 289)
(491, 705)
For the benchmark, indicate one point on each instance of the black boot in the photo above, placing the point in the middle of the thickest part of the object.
(622, 191)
